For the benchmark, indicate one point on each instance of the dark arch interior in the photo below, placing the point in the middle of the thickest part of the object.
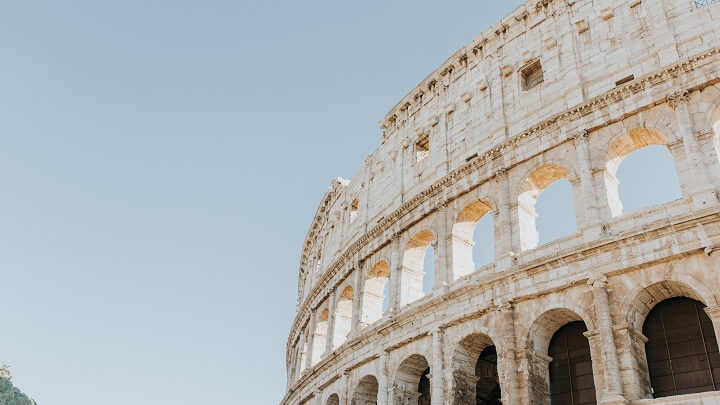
(487, 388)
(424, 388)
(571, 374)
(682, 351)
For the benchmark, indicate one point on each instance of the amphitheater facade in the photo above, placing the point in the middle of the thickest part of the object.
(624, 311)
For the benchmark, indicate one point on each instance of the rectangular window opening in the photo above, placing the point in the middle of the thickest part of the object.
(422, 148)
(531, 75)
(354, 210)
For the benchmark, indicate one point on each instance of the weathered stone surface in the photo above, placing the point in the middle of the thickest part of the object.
(483, 135)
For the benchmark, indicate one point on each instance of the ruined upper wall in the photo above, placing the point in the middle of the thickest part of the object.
(480, 97)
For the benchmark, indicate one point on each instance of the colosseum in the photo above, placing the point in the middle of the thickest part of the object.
(625, 310)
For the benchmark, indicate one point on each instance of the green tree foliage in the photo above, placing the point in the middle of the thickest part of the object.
(9, 395)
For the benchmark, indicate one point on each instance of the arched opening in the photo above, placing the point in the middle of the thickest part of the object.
(475, 373)
(333, 400)
(374, 293)
(570, 370)
(320, 336)
(300, 358)
(411, 385)
(649, 174)
(424, 388)
(343, 316)
(682, 350)
(558, 331)
(415, 267)
(550, 183)
(429, 268)
(472, 242)
(366, 391)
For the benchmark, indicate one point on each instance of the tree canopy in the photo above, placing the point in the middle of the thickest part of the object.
(9, 395)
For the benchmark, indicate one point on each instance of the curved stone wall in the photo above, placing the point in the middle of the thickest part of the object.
(557, 89)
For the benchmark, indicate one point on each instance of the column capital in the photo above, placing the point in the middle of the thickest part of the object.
(598, 281)
(505, 306)
(580, 135)
(677, 98)
(500, 172)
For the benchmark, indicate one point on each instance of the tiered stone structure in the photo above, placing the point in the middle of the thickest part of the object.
(557, 89)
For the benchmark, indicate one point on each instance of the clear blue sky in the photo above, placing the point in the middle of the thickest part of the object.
(160, 162)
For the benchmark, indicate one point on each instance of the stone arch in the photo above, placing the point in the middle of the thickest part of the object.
(462, 236)
(618, 149)
(333, 399)
(549, 321)
(366, 391)
(638, 302)
(537, 341)
(408, 379)
(343, 315)
(376, 280)
(413, 271)
(534, 182)
(471, 373)
(319, 336)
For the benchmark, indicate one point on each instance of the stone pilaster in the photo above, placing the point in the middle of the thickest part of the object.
(437, 370)
(703, 192)
(504, 228)
(394, 289)
(592, 216)
(509, 346)
(612, 393)
(330, 338)
(311, 340)
(344, 400)
(443, 273)
(383, 382)
(358, 298)
(714, 315)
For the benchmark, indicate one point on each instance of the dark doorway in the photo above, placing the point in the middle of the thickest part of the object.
(571, 376)
(682, 351)
(487, 389)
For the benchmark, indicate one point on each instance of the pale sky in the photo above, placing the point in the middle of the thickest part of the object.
(160, 162)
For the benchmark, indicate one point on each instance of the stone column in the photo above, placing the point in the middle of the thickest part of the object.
(437, 371)
(383, 382)
(613, 389)
(330, 338)
(393, 290)
(358, 298)
(703, 192)
(587, 185)
(510, 347)
(311, 340)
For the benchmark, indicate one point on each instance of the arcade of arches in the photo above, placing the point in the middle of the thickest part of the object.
(394, 306)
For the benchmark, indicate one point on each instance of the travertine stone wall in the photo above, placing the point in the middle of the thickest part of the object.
(477, 138)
